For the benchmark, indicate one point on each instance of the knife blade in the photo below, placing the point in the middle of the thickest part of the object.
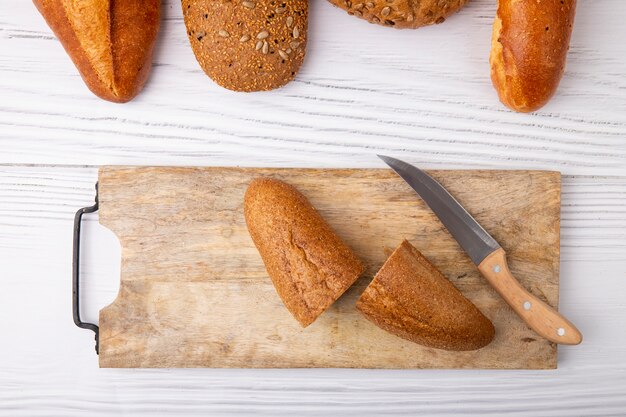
(471, 236)
(486, 254)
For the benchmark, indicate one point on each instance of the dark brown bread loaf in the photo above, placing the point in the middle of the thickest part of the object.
(401, 14)
(308, 263)
(410, 298)
(248, 45)
(110, 42)
(528, 50)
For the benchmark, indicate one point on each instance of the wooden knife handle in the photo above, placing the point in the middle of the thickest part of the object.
(539, 316)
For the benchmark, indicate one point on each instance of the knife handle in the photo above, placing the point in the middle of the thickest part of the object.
(539, 316)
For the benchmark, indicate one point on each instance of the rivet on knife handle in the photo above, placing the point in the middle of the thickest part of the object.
(539, 316)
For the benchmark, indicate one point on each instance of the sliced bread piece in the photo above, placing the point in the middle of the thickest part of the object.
(308, 263)
(411, 298)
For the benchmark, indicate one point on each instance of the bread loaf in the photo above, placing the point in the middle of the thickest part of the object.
(248, 45)
(410, 298)
(401, 14)
(528, 50)
(110, 42)
(308, 263)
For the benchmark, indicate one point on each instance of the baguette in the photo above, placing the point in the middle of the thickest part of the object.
(528, 50)
(308, 263)
(401, 14)
(410, 298)
(248, 45)
(110, 42)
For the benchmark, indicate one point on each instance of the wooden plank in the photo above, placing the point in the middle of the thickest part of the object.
(194, 291)
(36, 208)
(424, 94)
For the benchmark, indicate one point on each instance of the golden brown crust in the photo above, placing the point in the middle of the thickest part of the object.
(528, 50)
(248, 45)
(308, 263)
(111, 43)
(401, 14)
(410, 298)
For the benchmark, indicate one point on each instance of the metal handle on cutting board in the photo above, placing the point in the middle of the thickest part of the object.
(76, 272)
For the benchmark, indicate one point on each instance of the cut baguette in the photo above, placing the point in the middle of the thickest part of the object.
(410, 298)
(308, 263)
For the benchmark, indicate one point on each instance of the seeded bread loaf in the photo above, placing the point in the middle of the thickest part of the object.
(308, 263)
(401, 14)
(248, 45)
(410, 298)
(110, 42)
(528, 50)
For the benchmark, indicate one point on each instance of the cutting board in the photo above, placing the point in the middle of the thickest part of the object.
(194, 291)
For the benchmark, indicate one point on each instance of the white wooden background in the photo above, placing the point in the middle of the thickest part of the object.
(422, 95)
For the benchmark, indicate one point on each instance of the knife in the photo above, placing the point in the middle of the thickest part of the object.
(487, 255)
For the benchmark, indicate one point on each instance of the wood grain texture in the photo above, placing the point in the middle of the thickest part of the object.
(363, 89)
(61, 377)
(195, 293)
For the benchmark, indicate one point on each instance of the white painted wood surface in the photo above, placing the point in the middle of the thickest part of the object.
(424, 95)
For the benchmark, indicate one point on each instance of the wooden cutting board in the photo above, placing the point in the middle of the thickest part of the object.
(194, 291)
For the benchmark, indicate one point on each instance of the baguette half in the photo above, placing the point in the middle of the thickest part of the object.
(308, 263)
(410, 298)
